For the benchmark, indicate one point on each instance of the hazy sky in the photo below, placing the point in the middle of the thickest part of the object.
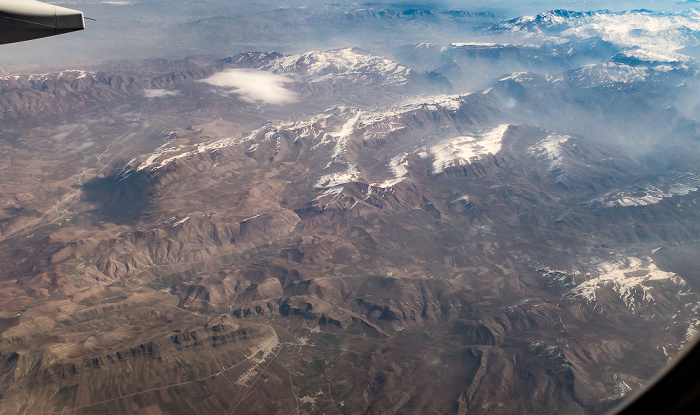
(137, 29)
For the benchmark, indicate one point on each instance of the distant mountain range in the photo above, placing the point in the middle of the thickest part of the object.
(642, 34)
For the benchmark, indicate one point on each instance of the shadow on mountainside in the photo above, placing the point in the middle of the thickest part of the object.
(121, 199)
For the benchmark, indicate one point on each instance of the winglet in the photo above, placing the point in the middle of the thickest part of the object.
(22, 20)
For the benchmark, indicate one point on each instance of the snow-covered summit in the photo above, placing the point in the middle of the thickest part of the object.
(608, 73)
(549, 149)
(329, 131)
(465, 149)
(66, 75)
(351, 63)
(631, 278)
(646, 35)
(652, 192)
(604, 74)
(550, 20)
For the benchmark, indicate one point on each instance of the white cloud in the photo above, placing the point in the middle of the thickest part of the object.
(255, 86)
(159, 93)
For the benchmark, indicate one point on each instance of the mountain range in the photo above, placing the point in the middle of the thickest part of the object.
(476, 227)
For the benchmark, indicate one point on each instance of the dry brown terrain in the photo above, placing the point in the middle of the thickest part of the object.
(244, 277)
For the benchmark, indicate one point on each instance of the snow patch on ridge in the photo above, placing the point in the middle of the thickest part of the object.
(629, 277)
(343, 134)
(336, 179)
(448, 102)
(549, 148)
(465, 149)
(398, 166)
(181, 221)
(649, 194)
(607, 73)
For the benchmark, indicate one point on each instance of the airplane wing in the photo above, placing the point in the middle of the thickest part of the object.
(22, 20)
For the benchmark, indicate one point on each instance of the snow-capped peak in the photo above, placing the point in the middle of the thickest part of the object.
(69, 75)
(631, 278)
(350, 63)
(550, 148)
(607, 73)
(330, 130)
(643, 34)
(465, 149)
